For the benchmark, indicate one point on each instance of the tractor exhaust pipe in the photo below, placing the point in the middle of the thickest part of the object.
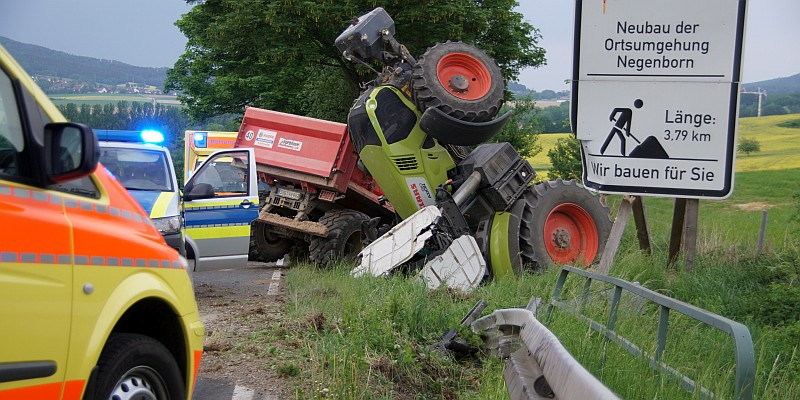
(467, 189)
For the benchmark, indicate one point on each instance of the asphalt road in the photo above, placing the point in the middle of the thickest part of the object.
(213, 387)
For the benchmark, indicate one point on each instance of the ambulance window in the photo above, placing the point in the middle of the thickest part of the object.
(11, 137)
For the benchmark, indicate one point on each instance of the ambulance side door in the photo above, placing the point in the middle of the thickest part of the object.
(35, 258)
(220, 203)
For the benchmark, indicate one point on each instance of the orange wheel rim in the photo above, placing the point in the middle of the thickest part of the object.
(570, 235)
(464, 76)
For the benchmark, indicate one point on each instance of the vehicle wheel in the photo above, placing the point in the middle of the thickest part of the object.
(459, 79)
(265, 245)
(134, 366)
(562, 223)
(344, 237)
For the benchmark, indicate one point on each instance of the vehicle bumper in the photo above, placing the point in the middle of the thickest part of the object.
(177, 242)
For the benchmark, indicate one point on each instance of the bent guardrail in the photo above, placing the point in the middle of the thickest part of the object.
(542, 368)
(739, 334)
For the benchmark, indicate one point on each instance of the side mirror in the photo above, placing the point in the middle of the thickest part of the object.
(198, 191)
(71, 151)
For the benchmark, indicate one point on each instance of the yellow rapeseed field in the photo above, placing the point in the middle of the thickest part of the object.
(780, 146)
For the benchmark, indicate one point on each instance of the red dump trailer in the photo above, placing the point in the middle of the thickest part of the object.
(316, 198)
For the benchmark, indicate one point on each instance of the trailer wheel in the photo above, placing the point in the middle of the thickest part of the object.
(562, 223)
(459, 79)
(343, 242)
(265, 246)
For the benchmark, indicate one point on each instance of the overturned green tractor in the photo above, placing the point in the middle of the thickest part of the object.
(468, 210)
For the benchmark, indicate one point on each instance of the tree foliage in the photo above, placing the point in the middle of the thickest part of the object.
(281, 55)
(565, 158)
(522, 129)
(748, 145)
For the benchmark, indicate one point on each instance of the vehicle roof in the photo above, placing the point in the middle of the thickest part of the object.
(134, 145)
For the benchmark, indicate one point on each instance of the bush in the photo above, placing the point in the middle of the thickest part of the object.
(566, 159)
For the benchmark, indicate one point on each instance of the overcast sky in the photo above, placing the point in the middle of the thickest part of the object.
(143, 33)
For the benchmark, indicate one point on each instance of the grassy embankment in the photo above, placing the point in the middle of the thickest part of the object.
(368, 338)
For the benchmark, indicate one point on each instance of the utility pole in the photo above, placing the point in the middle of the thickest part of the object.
(759, 93)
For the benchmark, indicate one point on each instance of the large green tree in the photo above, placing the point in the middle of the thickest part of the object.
(281, 55)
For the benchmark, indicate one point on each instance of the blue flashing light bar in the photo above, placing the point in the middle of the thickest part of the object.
(200, 140)
(151, 136)
(146, 136)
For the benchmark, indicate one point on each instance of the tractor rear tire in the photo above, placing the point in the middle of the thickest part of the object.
(343, 242)
(265, 246)
(459, 79)
(562, 223)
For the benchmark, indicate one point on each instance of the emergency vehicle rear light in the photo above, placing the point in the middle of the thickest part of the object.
(200, 140)
(146, 136)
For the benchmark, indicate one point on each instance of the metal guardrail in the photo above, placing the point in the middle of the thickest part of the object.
(541, 368)
(739, 334)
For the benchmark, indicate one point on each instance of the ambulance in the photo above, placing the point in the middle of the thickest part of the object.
(141, 162)
(198, 145)
(93, 303)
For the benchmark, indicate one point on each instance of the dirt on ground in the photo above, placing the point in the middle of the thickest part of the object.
(239, 313)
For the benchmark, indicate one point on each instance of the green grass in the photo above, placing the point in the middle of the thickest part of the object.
(369, 338)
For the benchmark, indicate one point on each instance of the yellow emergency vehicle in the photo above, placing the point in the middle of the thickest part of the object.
(93, 303)
(198, 145)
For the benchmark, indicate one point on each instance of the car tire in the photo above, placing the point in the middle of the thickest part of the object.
(134, 366)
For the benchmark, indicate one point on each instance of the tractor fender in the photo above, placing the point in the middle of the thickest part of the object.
(450, 130)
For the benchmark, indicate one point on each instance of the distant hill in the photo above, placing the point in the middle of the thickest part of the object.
(38, 60)
(784, 85)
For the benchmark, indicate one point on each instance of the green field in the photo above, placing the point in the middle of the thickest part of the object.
(112, 98)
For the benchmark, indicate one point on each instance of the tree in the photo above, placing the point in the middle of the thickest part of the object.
(274, 54)
(521, 129)
(565, 158)
(748, 145)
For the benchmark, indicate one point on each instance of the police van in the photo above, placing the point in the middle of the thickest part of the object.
(93, 303)
(140, 161)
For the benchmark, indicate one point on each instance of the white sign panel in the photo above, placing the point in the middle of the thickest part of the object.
(655, 92)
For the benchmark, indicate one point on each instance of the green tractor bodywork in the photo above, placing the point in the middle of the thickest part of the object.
(407, 164)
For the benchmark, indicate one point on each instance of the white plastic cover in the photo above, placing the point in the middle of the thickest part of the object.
(398, 245)
(461, 266)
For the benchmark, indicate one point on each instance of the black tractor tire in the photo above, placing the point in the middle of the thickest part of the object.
(136, 366)
(562, 224)
(343, 242)
(265, 246)
(460, 80)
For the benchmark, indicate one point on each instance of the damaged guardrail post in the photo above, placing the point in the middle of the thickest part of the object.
(541, 368)
(739, 334)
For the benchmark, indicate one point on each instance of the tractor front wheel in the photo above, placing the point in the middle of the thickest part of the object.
(562, 223)
(460, 80)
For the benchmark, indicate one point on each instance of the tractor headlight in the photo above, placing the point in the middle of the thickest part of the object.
(167, 225)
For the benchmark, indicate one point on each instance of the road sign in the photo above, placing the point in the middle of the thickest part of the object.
(655, 95)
